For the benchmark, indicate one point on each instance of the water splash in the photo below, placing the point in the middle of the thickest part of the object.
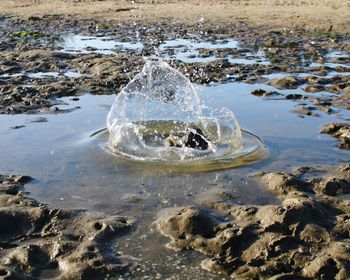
(158, 117)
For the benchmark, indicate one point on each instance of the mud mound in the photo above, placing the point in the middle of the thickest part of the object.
(306, 237)
(69, 244)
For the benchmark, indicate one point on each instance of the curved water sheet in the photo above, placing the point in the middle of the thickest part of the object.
(158, 117)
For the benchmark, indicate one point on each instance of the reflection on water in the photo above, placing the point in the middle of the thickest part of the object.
(103, 45)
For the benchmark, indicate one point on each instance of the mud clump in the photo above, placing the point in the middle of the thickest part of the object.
(305, 237)
(333, 186)
(70, 244)
(341, 131)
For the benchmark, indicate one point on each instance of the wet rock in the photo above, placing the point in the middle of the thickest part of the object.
(306, 111)
(17, 126)
(265, 93)
(342, 69)
(195, 139)
(295, 96)
(285, 83)
(343, 101)
(341, 131)
(287, 276)
(12, 184)
(314, 80)
(17, 99)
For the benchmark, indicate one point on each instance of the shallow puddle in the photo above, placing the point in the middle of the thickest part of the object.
(43, 75)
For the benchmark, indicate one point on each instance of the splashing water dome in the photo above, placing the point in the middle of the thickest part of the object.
(158, 117)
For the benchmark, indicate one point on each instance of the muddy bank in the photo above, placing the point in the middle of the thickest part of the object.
(305, 237)
(37, 241)
(36, 68)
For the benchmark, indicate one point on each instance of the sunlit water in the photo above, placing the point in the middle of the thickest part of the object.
(158, 117)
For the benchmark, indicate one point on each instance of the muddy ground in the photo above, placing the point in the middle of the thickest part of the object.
(306, 236)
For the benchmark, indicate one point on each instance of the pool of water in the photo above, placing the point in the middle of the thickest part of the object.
(42, 75)
(73, 170)
(73, 43)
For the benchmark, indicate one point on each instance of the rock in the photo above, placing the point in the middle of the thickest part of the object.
(295, 96)
(345, 169)
(17, 126)
(272, 238)
(313, 88)
(195, 139)
(72, 243)
(306, 111)
(264, 93)
(342, 69)
(285, 83)
(314, 80)
(287, 276)
(259, 92)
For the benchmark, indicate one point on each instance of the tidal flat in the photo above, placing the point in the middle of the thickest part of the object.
(69, 209)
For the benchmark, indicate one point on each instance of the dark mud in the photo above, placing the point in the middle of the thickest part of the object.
(38, 241)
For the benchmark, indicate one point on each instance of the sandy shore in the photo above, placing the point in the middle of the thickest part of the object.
(294, 14)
